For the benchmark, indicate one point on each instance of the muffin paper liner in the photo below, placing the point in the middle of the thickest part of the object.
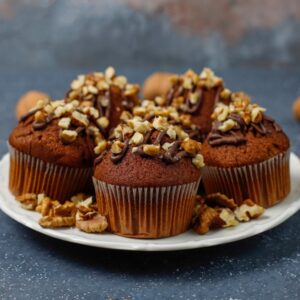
(266, 183)
(146, 212)
(32, 175)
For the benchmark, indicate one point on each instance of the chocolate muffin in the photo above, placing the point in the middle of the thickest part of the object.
(52, 150)
(246, 154)
(109, 93)
(197, 95)
(147, 182)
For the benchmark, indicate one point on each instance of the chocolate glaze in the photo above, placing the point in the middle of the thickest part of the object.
(39, 126)
(29, 114)
(237, 135)
(99, 158)
(115, 158)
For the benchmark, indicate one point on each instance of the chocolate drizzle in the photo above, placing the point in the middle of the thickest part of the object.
(29, 114)
(115, 158)
(99, 158)
(179, 91)
(190, 108)
(237, 135)
(173, 154)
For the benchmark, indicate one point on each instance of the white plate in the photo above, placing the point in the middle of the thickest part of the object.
(189, 240)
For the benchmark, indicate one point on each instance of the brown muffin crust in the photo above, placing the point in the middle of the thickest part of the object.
(47, 145)
(257, 148)
(137, 171)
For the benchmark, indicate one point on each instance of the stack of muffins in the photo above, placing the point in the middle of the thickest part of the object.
(147, 157)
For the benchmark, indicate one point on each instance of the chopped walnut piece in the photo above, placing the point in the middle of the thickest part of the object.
(178, 101)
(191, 146)
(171, 132)
(91, 222)
(137, 138)
(103, 122)
(209, 79)
(55, 214)
(28, 201)
(198, 161)
(117, 147)
(186, 120)
(64, 123)
(91, 111)
(139, 111)
(160, 123)
(109, 72)
(227, 125)
(125, 116)
(180, 133)
(218, 199)
(39, 117)
(225, 94)
(248, 210)
(213, 218)
(228, 217)
(67, 209)
(79, 119)
(256, 115)
(68, 136)
(208, 219)
(44, 206)
(138, 125)
(151, 150)
(101, 146)
(56, 222)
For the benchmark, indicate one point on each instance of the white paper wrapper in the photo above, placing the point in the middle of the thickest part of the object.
(146, 212)
(32, 175)
(266, 183)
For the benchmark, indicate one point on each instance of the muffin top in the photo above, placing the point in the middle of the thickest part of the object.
(150, 150)
(61, 133)
(197, 94)
(109, 93)
(242, 134)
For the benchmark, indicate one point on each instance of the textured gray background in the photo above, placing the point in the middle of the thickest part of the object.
(89, 33)
(254, 45)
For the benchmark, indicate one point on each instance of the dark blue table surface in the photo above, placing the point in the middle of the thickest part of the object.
(267, 266)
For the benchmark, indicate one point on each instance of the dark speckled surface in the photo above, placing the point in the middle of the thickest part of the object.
(267, 266)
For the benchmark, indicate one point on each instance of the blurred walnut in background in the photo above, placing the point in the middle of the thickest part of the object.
(157, 84)
(28, 101)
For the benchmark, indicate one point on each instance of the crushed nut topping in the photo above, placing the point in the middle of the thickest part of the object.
(97, 89)
(187, 89)
(154, 132)
(218, 211)
(233, 121)
(73, 120)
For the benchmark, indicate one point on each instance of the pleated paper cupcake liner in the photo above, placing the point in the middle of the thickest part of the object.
(146, 212)
(28, 174)
(266, 183)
